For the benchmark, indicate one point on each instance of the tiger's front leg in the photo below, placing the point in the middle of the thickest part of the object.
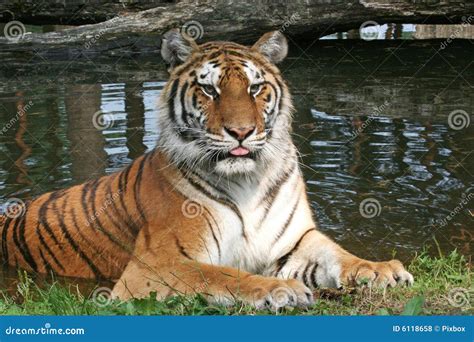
(170, 269)
(317, 261)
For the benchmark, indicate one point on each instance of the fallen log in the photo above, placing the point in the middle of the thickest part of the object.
(70, 12)
(242, 21)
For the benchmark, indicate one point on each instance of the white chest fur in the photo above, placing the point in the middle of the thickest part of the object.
(259, 223)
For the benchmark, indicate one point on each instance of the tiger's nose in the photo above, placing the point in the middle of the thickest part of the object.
(240, 133)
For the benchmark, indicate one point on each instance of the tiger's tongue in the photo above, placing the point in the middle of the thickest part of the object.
(239, 151)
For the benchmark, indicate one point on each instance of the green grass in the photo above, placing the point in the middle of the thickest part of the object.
(437, 282)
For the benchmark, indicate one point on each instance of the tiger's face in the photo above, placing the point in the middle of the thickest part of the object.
(228, 109)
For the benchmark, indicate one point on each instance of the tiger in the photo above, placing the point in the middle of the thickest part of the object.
(218, 207)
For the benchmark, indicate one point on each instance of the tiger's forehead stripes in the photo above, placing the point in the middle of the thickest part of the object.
(224, 66)
(218, 53)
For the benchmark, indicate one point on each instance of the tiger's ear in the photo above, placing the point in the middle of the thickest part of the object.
(272, 45)
(176, 48)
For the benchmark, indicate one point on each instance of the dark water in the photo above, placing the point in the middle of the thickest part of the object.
(372, 124)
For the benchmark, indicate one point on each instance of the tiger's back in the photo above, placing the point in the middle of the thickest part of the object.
(87, 230)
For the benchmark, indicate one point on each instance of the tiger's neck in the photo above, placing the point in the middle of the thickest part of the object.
(240, 188)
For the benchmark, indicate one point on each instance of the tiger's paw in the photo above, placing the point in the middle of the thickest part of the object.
(379, 274)
(278, 293)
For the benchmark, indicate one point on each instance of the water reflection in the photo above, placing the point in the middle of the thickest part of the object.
(370, 123)
(87, 150)
(404, 165)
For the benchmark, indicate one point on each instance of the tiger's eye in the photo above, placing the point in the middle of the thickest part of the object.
(209, 90)
(255, 88)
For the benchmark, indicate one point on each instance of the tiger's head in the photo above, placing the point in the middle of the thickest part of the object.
(225, 107)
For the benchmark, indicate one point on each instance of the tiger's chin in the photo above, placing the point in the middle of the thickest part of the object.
(235, 165)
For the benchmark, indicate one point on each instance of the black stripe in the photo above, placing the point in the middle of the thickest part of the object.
(14, 234)
(214, 236)
(272, 192)
(277, 104)
(276, 93)
(305, 275)
(96, 222)
(184, 113)
(214, 186)
(284, 259)
(288, 220)
(138, 203)
(117, 224)
(86, 241)
(123, 178)
(84, 191)
(120, 222)
(229, 204)
(47, 265)
(76, 248)
(137, 186)
(49, 230)
(42, 213)
(280, 85)
(123, 181)
(214, 220)
(47, 249)
(313, 275)
(16, 239)
(6, 225)
(171, 97)
(234, 53)
(20, 241)
(214, 54)
(21, 233)
(181, 248)
(189, 65)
